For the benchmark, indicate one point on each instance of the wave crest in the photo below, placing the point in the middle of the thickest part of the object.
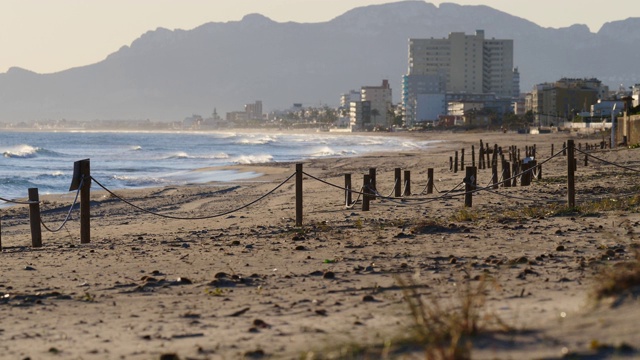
(253, 159)
(22, 151)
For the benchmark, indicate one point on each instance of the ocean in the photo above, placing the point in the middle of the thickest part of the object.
(126, 160)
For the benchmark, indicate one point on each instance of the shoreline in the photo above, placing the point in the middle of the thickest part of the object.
(251, 282)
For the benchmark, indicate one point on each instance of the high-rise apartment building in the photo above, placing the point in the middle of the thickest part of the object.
(458, 64)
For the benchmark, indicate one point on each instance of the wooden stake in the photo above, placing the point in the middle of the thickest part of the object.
(430, 181)
(469, 180)
(34, 218)
(407, 180)
(347, 192)
(298, 194)
(398, 182)
(366, 183)
(571, 186)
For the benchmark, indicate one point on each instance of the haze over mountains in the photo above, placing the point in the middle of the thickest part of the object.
(167, 75)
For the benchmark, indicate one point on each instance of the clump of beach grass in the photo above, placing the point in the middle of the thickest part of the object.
(435, 331)
(445, 332)
(619, 279)
(466, 215)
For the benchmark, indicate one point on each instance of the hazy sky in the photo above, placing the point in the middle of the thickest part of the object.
(52, 35)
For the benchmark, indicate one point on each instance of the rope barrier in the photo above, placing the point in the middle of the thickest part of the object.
(423, 201)
(394, 188)
(608, 162)
(64, 222)
(191, 218)
(334, 185)
(349, 206)
(18, 202)
(404, 189)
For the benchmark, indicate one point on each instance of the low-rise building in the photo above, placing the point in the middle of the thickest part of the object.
(552, 103)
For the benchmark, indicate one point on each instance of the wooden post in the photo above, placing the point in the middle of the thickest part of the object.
(514, 172)
(430, 181)
(347, 192)
(469, 179)
(450, 163)
(571, 186)
(398, 182)
(564, 149)
(461, 159)
(365, 186)
(372, 179)
(506, 174)
(85, 202)
(481, 156)
(488, 162)
(494, 175)
(473, 155)
(526, 174)
(34, 218)
(455, 162)
(407, 180)
(298, 194)
(552, 153)
(586, 160)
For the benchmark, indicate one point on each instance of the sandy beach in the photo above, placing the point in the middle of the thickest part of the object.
(251, 284)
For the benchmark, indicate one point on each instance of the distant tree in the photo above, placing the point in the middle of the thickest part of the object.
(528, 117)
(375, 113)
(511, 121)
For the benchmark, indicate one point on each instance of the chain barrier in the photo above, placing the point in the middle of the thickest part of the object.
(66, 219)
(191, 218)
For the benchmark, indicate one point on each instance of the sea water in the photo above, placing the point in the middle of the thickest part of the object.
(124, 160)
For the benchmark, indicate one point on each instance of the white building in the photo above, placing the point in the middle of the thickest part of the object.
(381, 102)
(459, 64)
(635, 93)
(372, 108)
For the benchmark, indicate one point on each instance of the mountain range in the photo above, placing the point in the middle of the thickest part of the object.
(166, 75)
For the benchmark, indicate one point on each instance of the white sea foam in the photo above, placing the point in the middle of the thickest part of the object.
(256, 141)
(253, 159)
(327, 152)
(21, 151)
(185, 155)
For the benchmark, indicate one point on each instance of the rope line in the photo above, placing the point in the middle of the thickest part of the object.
(422, 201)
(394, 188)
(66, 219)
(403, 191)
(191, 218)
(19, 202)
(350, 206)
(608, 162)
(334, 185)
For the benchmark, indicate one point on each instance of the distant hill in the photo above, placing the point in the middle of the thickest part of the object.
(168, 75)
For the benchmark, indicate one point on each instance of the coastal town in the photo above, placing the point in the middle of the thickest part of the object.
(462, 81)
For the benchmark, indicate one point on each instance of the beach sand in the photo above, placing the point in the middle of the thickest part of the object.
(250, 284)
